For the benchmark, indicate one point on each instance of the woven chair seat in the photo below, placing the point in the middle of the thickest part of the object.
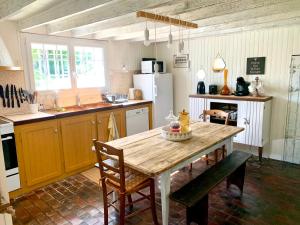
(132, 179)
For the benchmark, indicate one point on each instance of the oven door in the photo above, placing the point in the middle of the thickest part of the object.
(10, 154)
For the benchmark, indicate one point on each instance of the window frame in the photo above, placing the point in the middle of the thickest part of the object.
(71, 43)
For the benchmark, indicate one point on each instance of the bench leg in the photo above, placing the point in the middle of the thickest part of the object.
(198, 213)
(237, 177)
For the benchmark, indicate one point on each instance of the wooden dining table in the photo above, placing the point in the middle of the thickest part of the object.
(151, 154)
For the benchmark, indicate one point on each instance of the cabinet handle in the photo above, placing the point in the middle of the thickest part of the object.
(93, 122)
(99, 121)
(55, 130)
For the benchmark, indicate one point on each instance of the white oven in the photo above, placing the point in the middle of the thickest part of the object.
(10, 155)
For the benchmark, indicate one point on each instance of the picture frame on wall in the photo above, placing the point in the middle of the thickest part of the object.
(181, 61)
(256, 66)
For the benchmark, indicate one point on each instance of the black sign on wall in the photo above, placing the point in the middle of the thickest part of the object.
(256, 65)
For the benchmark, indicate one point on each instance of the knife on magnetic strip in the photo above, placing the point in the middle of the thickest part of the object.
(7, 95)
(12, 96)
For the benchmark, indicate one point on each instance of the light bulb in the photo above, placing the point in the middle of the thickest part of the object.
(170, 40)
(146, 35)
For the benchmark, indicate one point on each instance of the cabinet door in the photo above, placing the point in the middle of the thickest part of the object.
(40, 151)
(77, 135)
(197, 105)
(103, 119)
(250, 116)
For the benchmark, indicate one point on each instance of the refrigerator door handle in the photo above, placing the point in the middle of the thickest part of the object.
(155, 90)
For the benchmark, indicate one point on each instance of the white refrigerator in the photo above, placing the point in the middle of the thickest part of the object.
(159, 89)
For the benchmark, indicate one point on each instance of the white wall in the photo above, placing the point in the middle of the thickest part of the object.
(277, 44)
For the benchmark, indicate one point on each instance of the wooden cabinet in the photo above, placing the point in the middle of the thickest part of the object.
(77, 135)
(38, 152)
(103, 120)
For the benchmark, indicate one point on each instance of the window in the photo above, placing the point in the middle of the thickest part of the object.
(89, 64)
(51, 68)
(65, 63)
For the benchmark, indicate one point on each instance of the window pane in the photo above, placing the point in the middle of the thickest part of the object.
(89, 65)
(51, 67)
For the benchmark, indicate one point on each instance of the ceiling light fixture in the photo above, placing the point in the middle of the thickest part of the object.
(147, 42)
(170, 39)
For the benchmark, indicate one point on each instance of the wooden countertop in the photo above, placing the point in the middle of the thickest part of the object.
(232, 97)
(20, 119)
(150, 153)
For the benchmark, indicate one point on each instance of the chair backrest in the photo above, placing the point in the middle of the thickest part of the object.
(114, 174)
(217, 113)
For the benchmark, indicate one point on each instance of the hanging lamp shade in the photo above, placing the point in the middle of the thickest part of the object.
(201, 74)
(219, 64)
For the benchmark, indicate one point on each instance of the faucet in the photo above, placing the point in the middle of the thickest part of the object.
(78, 100)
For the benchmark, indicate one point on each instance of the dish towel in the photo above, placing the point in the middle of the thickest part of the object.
(113, 133)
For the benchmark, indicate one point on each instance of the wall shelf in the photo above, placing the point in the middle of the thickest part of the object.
(10, 68)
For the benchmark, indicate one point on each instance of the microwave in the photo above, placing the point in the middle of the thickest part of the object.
(148, 66)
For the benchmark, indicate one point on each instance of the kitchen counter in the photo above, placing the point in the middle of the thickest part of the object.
(233, 97)
(21, 119)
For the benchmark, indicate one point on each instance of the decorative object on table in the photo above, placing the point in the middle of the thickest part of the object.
(256, 87)
(177, 130)
(167, 134)
(201, 85)
(181, 61)
(213, 89)
(184, 120)
(219, 65)
(256, 66)
(174, 124)
(242, 87)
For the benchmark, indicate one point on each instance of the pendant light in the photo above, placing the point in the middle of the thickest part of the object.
(170, 38)
(219, 64)
(147, 42)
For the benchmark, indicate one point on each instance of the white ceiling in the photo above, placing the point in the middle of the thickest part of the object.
(116, 19)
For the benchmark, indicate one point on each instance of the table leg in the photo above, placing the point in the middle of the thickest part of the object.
(165, 183)
(229, 146)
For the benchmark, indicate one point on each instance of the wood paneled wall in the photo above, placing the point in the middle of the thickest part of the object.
(276, 44)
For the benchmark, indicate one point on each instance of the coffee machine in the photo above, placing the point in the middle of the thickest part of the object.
(242, 87)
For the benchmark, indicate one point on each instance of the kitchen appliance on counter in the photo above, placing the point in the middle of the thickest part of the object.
(158, 89)
(10, 155)
(242, 87)
(148, 66)
(213, 89)
(201, 87)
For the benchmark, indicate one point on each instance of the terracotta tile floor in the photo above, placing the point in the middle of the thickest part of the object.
(271, 197)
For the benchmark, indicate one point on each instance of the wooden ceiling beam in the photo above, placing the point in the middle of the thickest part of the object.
(240, 14)
(166, 19)
(109, 11)
(59, 12)
(170, 8)
(11, 7)
(240, 25)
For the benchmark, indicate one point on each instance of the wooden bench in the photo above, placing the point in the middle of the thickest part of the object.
(194, 195)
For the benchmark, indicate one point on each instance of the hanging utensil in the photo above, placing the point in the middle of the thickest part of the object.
(2, 95)
(7, 95)
(12, 96)
(17, 98)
